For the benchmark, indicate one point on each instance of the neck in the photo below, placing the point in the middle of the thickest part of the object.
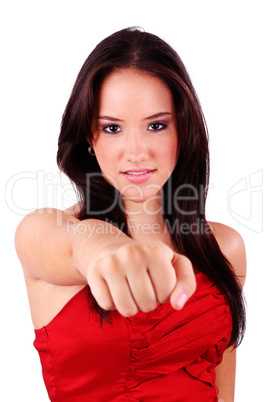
(146, 220)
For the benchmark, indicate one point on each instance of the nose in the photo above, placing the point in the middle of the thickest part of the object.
(136, 149)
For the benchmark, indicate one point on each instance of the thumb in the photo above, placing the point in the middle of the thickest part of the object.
(186, 283)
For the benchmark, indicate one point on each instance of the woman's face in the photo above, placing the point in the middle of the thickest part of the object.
(134, 134)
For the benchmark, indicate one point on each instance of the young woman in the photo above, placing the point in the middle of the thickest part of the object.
(134, 295)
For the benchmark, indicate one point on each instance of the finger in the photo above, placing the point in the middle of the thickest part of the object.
(121, 295)
(110, 287)
(163, 277)
(142, 289)
(101, 293)
(186, 283)
(157, 258)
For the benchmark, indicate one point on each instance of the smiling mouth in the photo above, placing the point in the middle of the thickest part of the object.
(139, 173)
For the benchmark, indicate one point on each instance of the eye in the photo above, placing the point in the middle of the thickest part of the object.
(111, 128)
(157, 126)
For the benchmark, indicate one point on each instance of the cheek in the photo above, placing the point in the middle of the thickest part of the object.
(103, 153)
(170, 152)
(104, 159)
(107, 163)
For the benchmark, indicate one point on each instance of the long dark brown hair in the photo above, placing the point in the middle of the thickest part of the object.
(185, 192)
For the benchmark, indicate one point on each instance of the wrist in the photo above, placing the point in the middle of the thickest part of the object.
(94, 239)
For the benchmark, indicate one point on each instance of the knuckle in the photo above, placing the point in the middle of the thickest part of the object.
(102, 298)
(126, 251)
(128, 312)
(110, 269)
(163, 298)
(151, 246)
(94, 269)
(149, 306)
(107, 266)
(102, 301)
(106, 305)
(131, 255)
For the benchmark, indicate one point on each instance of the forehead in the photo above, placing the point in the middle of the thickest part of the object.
(132, 89)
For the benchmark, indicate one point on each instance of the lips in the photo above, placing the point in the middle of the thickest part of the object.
(138, 172)
(138, 175)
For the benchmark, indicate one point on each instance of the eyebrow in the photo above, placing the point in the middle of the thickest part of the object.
(154, 116)
(109, 118)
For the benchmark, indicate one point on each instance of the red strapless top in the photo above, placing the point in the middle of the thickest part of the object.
(164, 355)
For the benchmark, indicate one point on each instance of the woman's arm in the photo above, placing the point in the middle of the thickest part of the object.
(225, 375)
(232, 246)
(122, 273)
(47, 240)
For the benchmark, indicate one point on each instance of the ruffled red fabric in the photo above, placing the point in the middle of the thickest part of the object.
(164, 355)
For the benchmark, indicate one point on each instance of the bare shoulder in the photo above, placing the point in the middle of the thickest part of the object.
(39, 218)
(38, 224)
(232, 246)
(229, 239)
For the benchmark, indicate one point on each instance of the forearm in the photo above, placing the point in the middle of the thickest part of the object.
(58, 248)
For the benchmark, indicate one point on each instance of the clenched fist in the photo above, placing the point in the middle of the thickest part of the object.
(139, 275)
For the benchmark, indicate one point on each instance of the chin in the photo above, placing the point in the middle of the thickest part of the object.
(142, 197)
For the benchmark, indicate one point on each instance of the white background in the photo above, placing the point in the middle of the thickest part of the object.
(43, 45)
